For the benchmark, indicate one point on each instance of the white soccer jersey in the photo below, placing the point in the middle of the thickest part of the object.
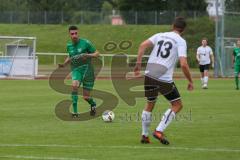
(168, 47)
(204, 54)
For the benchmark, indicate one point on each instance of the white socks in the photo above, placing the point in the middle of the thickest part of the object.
(205, 80)
(146, 121)
(167, 118)
(202, 81)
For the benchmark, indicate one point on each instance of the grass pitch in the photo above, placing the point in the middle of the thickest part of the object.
(207, 128)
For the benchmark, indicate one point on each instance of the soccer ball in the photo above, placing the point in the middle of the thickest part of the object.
(108, 116)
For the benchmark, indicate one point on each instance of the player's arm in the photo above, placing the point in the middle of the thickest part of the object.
(212, 59)
(141, 50)
(233, 57)
(92, 52)
(198, 56)
(186, 71)
(65, 63)
(92, 55)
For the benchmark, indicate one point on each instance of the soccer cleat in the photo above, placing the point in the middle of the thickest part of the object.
(160, 136)
(204, 86)
(75, 115)
(145, 139)
(93, 111)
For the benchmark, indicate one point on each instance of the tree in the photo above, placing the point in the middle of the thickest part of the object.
(161, 5)
(143, 5)
(232, 5)
(181, 5)
(12, 5)
(50, 5)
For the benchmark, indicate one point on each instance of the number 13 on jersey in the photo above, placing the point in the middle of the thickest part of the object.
(164, 48)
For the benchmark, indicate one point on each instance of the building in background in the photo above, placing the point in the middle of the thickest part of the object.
(116, 19)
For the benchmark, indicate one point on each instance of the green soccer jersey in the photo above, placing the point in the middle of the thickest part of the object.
(75, 50)
(236, 54)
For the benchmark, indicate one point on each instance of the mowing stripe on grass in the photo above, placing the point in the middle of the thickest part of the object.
(40, 158)
(123, 147)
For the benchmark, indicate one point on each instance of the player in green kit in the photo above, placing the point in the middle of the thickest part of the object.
(81, 51)
(236, 62)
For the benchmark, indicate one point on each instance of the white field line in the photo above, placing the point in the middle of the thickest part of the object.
(124, 147)
(38, 158)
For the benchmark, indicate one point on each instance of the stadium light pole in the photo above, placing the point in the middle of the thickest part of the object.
(219, 41)
(216, 41)
(222, 37)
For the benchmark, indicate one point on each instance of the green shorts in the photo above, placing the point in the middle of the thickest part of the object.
(85, 76)
(236, 69)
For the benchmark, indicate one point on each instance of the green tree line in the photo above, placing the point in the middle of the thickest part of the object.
(136, 5)
(62, 5)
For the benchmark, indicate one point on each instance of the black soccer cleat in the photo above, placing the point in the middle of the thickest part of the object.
(160, 136)
(93, 111)
(145, 139)
(75, 115)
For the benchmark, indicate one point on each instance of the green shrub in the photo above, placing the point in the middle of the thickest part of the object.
(87, 17)
(196, 30)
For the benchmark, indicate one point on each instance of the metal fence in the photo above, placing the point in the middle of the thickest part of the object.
(94, 17)
(106, 58)
(227, 33)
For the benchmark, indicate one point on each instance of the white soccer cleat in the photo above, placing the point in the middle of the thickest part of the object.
(205, 86)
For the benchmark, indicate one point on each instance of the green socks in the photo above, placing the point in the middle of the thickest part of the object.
(91, 102)
(74, 101)
(237, 82)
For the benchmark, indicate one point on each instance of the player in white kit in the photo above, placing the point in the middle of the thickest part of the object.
(167, 47)
(205, 58)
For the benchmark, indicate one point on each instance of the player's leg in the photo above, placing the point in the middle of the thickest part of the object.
(147, 119)
(151, 93)
(169, 115)
(206, 68)
(87, 97)
(88, 83)
(236, 73)
(201, 68)
(76, 79)
(75, 85)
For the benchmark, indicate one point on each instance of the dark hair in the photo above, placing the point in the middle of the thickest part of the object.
(72, 28)
(204, 38)
(179, 24)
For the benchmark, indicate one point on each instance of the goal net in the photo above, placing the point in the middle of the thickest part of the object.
(18, 57)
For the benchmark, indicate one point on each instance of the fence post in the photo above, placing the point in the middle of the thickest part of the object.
(155, 17)
(136, 17)
(103, 61)
(55, 59)
(102, 18)
(81, 17)
(28, 17)
(175, 14)
(62, 18)
(45, 17)
(194, 15)
(127, 60)
(11, 17)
